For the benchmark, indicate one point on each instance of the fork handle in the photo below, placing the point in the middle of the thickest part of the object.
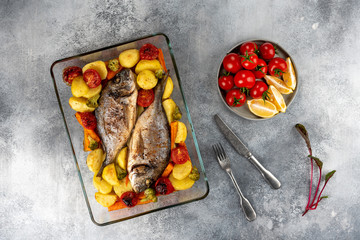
(248, 210)
(269, 177)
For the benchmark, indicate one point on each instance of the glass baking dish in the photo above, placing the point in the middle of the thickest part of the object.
(99, 214)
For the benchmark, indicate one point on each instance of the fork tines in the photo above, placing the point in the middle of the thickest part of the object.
(219, 151)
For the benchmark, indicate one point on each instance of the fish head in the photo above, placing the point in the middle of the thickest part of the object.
(123, 83)
(141, 177)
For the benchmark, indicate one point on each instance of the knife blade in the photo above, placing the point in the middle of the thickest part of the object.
(240, 147)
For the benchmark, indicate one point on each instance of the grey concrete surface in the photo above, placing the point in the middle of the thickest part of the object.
(40, 193)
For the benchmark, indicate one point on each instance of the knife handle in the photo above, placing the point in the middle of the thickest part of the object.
(269, 177)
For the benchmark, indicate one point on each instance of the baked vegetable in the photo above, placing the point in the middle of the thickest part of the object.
(146, 79)
(79, 87)
(106, 200)
(101, 185)
(181, 171)
(129, 58)
(183, 184)
(120, 173)
(124, 186)
(169, 107)
(93, 92)
(167, 170)
(181, 133)
(79, 104)
(93, 101)
(122, 158)
(98, 66)
(194, 175)
(114, 65)
(168, 88)
(152, 65)
(150, 195)
(95, 159)
(177, 115)
(110, 175)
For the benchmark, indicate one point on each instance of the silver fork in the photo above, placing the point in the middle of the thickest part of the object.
(224, 162)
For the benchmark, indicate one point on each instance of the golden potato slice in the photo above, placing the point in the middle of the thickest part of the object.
(109, 174)
(181, 171)
(101, 185)
(146, 79)
(95, 159)
(152, 65)
(122, 158)
(106, 200)
(181, 133)
(79, 104)
(129, 58)
(168, 88)
(169, 107)
(99, 66)
(123, 187)
(184, 184)
(79, 87)
(93, 91)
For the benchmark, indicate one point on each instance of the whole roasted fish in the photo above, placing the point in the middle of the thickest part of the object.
(149, 147)
(116, 114)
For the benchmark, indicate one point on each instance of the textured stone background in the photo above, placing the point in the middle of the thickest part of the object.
(40, 194)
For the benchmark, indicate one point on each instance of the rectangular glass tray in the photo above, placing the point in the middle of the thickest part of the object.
(99, 214)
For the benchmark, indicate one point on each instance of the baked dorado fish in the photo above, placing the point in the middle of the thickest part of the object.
(116, 114)
(149, 147)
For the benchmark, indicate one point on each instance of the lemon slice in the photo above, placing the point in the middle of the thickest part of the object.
(261, 108)
(277, 99)
(289, 76)
(278, 83)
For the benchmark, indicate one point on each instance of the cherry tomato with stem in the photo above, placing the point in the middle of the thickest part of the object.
(267, 51)
(130, 199)
(226, 82)
(277, 67)
(232, 63)
(249, 60)
(163, 186)
(145, 97)
(235, 98)
(261, 69)
(92, 78)
(244, 79)
(248, 47)
(260, 90)
(148, 52)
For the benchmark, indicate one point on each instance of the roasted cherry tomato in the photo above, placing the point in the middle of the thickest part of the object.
(249, 60)
(277, 67)
(148, 52)
(145, 97)
(232, 63)
(88, 120)
(92, 78)
(259, 90)
(163, 186)
(226, 82)
(70, 73)
(244, 79)
(130, 199)
(248, 47)
(179, 155)
(261, 69)
(267, 51)
(235, 98)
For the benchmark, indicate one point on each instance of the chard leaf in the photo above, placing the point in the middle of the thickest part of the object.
(317, 160)
(302, 130)
(329, 175)
(324, 197)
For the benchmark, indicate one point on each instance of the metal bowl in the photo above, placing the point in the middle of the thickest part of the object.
(244, 111)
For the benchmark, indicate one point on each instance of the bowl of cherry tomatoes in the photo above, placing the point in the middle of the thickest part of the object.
(257, 79)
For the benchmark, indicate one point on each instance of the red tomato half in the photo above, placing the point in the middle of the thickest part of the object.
(163, 186)
(235, 98)
(261, 69)
(267, 51)
(226, 82)
(249, 60)
(232, 63)
(145, 97)
(179, 155)
(130, 199)
(244, 79)
(248, 47)
(88, 120)
(258, 90)
(92, 78)
(148, 52)
(70, 73)
(277, 67)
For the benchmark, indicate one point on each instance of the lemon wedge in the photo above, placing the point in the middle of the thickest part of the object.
(278, 83)
(277, 99)
(261, 108)
(289, 76)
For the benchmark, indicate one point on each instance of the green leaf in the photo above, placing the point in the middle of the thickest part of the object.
(324, 197)
(317, 160)
(302, 130)
(329, 175)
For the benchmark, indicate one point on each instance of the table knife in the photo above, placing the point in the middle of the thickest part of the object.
(244, 151)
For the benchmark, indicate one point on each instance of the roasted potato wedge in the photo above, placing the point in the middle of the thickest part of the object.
(122, 158)
(95, 159)
(181, 133)
(124, 186)
(129, 58)
(181, 171)
(79, 87)
(106, 200)
(101, 185)
(109, 174)
(99, 66)
(183, 184)
(169, 107)
(146, 79)
(169, 87)
(152, 65)
(92, 92)
(79, 104)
